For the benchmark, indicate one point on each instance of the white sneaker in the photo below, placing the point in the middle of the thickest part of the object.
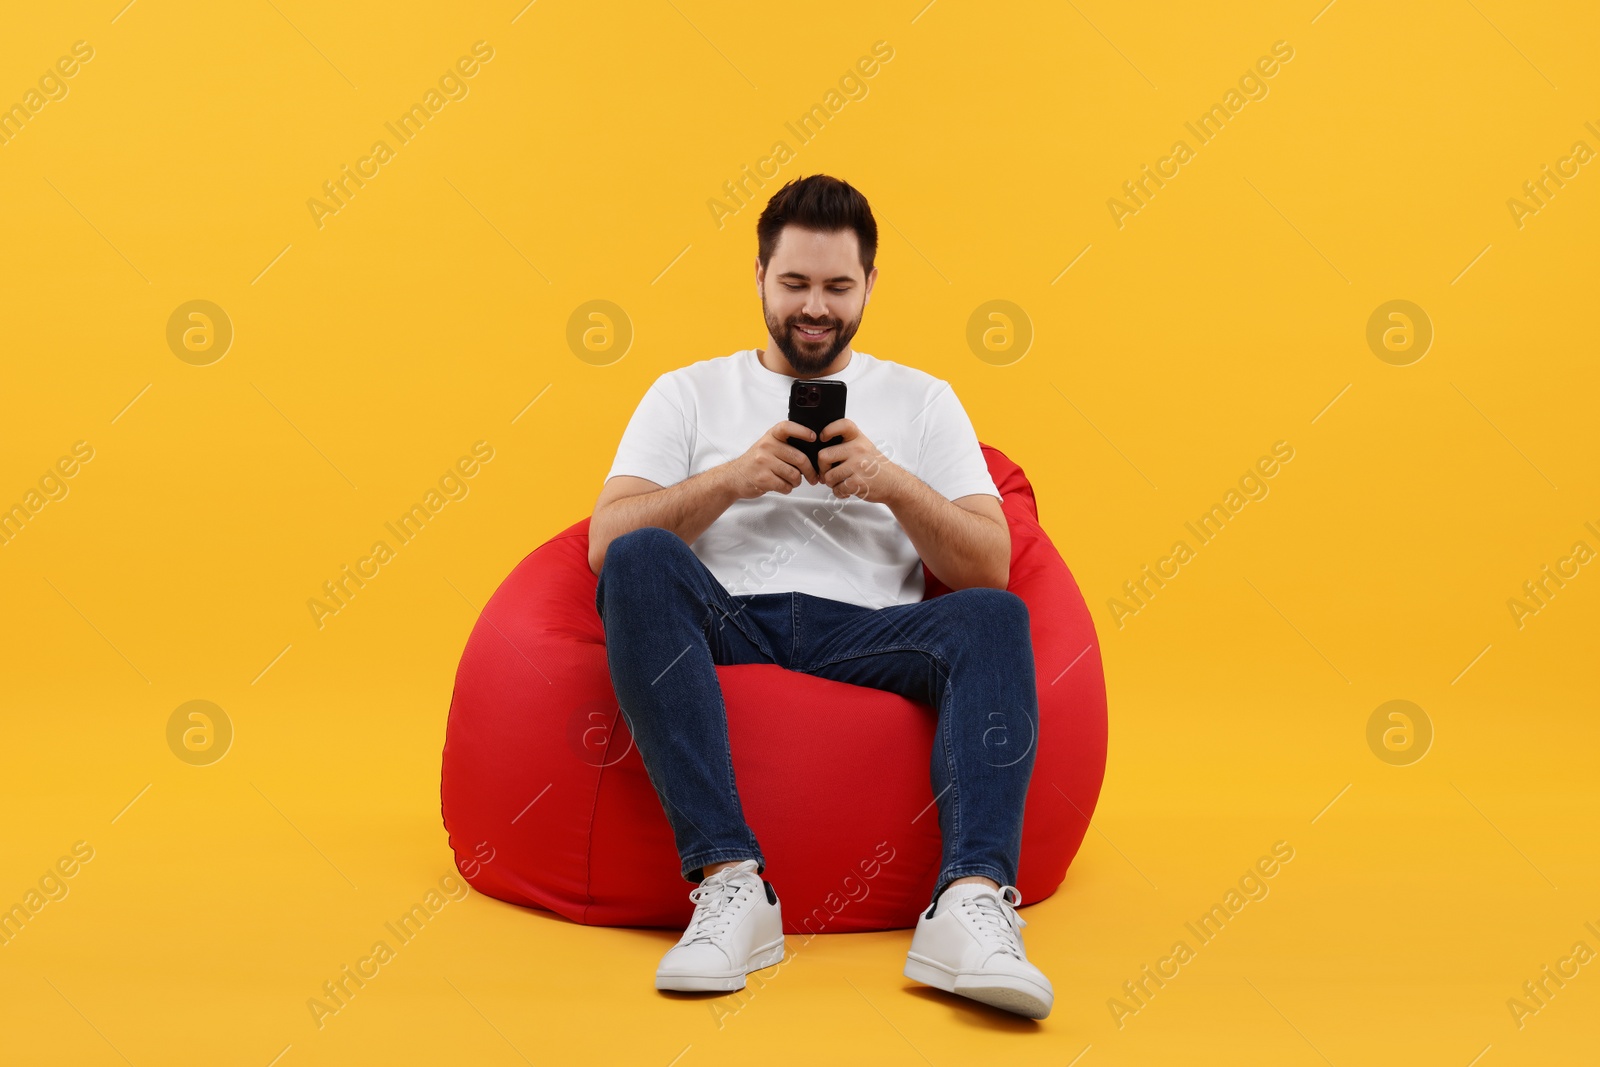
(972, 945)
(737, 928)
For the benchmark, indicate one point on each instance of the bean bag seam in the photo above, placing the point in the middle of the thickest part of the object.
(594, 807)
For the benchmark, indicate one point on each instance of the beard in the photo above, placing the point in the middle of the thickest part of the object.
(805, 356)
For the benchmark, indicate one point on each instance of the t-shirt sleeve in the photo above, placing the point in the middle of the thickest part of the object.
(656, 444)
(952, 461)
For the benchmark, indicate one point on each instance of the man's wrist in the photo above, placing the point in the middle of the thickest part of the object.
(896, 485)
(724, 480)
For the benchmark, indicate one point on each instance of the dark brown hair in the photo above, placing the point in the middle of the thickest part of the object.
(821, 203)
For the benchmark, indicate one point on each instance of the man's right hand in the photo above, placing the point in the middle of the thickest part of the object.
(772, 465)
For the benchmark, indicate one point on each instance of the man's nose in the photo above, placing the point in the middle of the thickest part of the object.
(816, 307)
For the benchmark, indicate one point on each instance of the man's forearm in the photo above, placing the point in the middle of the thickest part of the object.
(687, 509)
(961, 548)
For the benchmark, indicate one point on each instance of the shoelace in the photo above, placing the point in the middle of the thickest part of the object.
(712, 911)
(995, 917)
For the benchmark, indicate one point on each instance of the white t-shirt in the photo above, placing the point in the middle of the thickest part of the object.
(708, 413)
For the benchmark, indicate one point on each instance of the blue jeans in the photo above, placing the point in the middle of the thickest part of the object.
(968, 654)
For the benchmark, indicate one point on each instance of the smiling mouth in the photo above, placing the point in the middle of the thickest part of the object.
(817, 335)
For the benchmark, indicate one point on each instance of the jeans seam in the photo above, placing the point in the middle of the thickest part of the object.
(877, 650)
(727, 747)
(950, 767)
(756, 639)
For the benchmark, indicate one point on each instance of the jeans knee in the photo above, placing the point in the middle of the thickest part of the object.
(643, 566)
(1000, 609)
(641, 548)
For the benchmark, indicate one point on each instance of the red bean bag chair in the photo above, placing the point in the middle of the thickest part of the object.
(547, 802)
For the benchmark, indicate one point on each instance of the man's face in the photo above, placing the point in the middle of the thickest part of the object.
(813, 279)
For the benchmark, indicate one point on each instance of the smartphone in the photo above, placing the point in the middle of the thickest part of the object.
(815, 403)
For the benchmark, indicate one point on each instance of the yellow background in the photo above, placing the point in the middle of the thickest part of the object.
(432, 310)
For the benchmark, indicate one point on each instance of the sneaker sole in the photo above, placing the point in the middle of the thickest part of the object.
(1006, 991)
(766, 956)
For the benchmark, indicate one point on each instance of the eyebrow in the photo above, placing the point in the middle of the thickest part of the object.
(807, 277)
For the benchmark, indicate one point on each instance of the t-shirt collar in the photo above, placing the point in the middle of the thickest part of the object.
(852, 370)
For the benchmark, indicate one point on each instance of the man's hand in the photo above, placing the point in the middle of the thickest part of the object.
(855, 467)
(772, 464)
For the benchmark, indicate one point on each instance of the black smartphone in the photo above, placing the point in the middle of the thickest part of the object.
(814, 403)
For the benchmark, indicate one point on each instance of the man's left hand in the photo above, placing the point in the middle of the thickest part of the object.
(855, 467)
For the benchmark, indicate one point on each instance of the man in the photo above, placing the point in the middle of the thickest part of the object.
(711, 550)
